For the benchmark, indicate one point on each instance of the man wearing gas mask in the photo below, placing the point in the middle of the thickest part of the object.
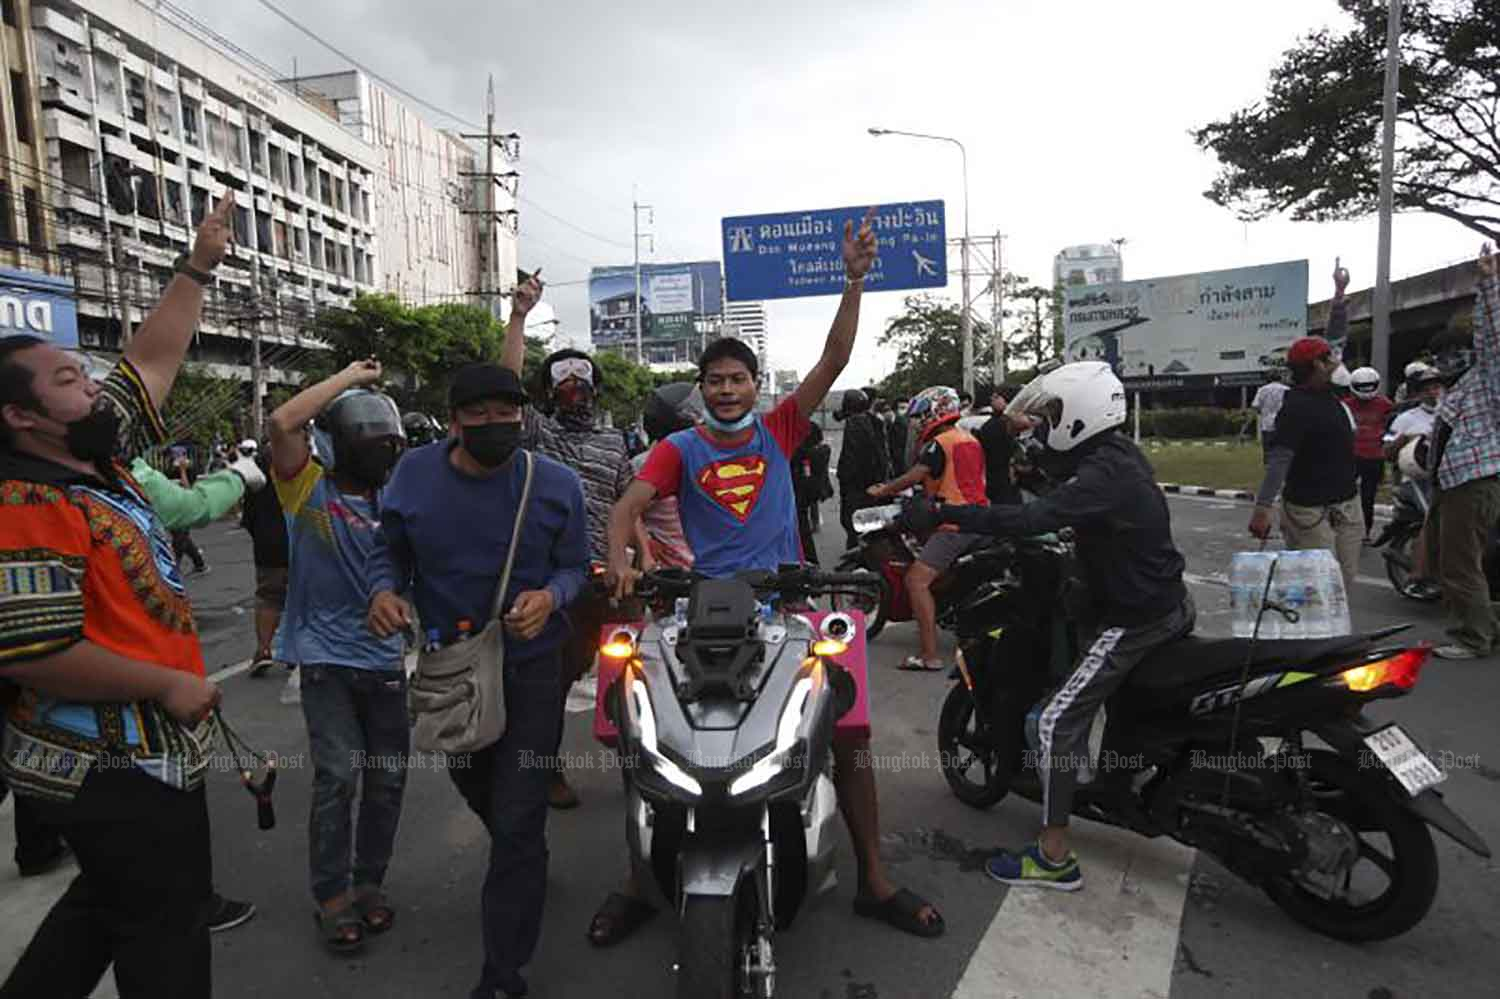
(353, 682)
(564, 427)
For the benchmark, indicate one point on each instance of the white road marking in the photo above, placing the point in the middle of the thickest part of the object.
(1117, 937)
(219, 676)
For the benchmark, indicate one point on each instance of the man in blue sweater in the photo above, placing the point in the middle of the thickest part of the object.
(446, 520)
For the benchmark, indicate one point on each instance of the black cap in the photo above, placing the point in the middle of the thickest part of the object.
(482, 380)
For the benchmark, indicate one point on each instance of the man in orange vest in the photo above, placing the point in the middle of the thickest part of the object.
(950, 468)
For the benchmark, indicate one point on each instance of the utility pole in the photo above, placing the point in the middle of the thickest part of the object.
(997, 311)
(491, 216)
(635, 215)
(257, 377)
(1381, 314)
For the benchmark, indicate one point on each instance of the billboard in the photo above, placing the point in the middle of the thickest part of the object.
(41, 305)
(1192, 330)
(796, 254)
(673, 298)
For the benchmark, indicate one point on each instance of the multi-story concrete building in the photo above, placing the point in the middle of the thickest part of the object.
(1090, 263)
(747, 321)
(426, 190)
(147, 119)
(25, 224)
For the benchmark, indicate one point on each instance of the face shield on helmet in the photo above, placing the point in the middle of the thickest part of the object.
(365, 428)
(1072, 404)
(1365, 383)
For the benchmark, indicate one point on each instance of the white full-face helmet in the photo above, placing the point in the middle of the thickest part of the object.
(1077, 402)
(1364, 382)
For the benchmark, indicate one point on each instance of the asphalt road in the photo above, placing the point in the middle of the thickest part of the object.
(1155, 919)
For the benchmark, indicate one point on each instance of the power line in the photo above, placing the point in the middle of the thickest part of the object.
(359, 65)
(576, 228)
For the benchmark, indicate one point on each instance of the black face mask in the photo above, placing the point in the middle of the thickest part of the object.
(491, 444)
(93, 437)
(368, 463)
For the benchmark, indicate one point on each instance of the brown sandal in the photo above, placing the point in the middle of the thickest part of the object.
(374, 910)
(342, 931)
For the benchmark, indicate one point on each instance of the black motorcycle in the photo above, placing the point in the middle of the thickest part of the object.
(1410, 502)
(1205, 744)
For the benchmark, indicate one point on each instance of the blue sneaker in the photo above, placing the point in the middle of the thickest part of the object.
(1030, 868)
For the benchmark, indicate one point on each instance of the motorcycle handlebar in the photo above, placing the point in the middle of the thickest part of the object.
(801, 579)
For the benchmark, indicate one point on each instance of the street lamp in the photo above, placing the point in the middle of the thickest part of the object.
(965, 323)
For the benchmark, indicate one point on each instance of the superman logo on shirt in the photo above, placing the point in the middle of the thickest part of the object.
(734, 483)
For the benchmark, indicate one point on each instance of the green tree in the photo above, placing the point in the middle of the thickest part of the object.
(202, 408)
(929, 349)
(1311, 146)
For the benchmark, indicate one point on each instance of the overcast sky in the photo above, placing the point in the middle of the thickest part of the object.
(1076, 118)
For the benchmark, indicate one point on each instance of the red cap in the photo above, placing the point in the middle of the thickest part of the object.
(1307, 350)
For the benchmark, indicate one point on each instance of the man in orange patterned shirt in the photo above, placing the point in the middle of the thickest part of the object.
(106, 728)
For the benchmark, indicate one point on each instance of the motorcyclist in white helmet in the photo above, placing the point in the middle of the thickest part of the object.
(1372, 411)
(1110, 498)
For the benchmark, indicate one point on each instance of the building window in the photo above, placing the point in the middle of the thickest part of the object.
(135, 89)
(22, 100)
(200, 205)
(7, 215)
(278, 166)
(34, 234)
(190, 111)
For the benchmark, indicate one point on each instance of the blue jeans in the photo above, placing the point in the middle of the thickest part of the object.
(356, 729)
(506, 787)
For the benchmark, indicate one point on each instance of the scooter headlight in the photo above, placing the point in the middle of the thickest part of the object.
(775, 761)
(646, 723)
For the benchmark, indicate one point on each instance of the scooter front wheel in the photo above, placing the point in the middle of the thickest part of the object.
(973, 766)
(714, 949)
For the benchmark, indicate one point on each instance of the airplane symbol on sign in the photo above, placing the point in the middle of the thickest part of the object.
(924, 265)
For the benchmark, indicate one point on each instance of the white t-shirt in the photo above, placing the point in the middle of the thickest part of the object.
(1267, 403)
(1415, 421)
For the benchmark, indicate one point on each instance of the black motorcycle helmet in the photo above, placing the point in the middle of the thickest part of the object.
(672, 407)
(854, 401)
(420, 429)
(367, 435)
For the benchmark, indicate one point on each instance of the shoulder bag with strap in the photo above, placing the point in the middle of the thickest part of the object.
(457, 697)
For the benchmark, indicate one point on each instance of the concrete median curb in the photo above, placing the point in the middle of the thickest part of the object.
(1176, 489)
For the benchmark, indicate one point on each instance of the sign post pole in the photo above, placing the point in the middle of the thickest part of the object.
(1138, 418)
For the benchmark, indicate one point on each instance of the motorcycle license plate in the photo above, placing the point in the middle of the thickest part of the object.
(1404, 759)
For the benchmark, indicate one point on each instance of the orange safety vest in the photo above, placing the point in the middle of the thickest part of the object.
(962, 481)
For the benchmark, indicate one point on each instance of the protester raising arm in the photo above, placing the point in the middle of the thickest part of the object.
(527, 294)
(159, 345)
(289, 445)
(859, 256)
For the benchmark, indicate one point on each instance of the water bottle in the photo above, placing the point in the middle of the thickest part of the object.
(464, 627)
(434, 640)
(1247, 590)
(1338, 600)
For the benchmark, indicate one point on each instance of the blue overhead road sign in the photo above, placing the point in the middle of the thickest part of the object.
(795, 254)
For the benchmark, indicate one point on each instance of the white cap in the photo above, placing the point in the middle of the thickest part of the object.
(249, 445)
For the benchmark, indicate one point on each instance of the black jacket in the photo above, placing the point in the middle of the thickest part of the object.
(1122, 525)
(262, 517)
(999, 447)
(863, 459)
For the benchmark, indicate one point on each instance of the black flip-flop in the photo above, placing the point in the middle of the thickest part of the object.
(619, 917)
(903, 910)
(331, 927)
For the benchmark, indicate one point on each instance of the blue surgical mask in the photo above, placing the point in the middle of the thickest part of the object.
(734, 427)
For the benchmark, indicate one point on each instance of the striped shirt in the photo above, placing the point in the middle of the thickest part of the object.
(1471, 409)
(601, 461)
(84, 559)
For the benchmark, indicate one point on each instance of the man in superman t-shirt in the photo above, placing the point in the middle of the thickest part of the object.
(733, 483)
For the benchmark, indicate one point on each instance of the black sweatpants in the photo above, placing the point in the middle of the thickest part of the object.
(1068, 714)
(1370, 472)
(141, 900)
